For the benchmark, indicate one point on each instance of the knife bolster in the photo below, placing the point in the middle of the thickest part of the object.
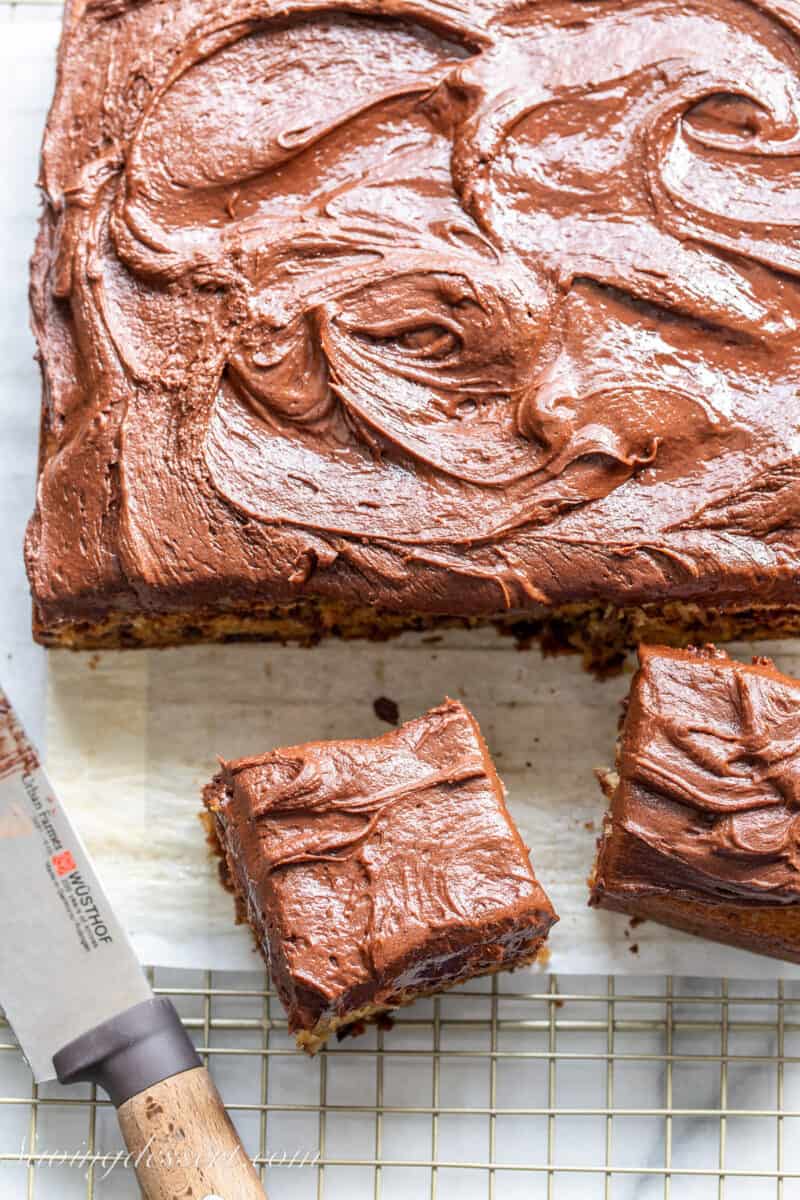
(129, 1053)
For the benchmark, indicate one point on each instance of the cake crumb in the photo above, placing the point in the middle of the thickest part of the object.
(355, 1029)
(634, 947)
(386, 710)
(589, 825)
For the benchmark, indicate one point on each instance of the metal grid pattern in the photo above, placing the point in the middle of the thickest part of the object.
(591, 1087)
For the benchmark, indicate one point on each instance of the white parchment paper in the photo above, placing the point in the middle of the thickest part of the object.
(134, 735)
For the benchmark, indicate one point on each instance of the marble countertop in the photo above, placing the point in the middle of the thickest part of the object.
(580, 1082)
(26, 65)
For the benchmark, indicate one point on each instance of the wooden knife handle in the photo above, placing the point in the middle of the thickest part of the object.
(182, 1143)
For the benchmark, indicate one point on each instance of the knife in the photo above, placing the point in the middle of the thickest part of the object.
(80, 1006)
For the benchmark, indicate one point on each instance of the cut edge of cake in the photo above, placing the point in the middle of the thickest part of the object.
(603, 634)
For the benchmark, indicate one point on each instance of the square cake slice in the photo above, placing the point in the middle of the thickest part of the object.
(376, 871)
(363, 317)
(703, 831)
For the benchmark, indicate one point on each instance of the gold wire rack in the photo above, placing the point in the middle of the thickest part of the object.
(592, 1087)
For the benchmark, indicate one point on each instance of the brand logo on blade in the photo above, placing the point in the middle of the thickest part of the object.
(75, 894)
(63, 863)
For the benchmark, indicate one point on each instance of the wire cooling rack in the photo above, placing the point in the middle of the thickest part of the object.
(523, 1086)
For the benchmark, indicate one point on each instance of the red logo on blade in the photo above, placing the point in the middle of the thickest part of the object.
(63, 863)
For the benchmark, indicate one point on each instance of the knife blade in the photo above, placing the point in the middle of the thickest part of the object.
(79, 1003)
(66, 963)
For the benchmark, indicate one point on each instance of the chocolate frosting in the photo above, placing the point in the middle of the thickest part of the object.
(465, 307)
(708, 799)
(369, 867)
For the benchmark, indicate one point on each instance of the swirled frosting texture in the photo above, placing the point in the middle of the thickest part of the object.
(465, 307)
(708, 800)
(369, 868)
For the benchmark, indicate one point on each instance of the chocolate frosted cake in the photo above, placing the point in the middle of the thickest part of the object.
(703, 831)
(356, 318)
(373, 872)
